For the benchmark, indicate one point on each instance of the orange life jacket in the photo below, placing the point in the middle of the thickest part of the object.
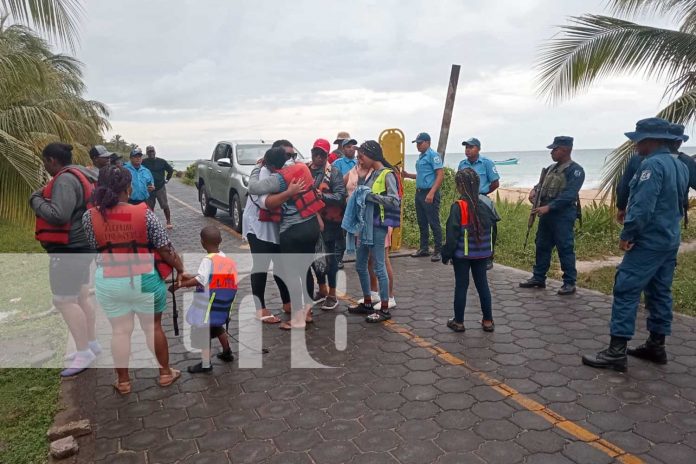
(307, 202)
(123, 244)
(211, 305)
(46, 232)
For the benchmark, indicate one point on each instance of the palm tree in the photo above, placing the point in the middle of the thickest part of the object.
(592, 47)
(58, 19)
(40, 102)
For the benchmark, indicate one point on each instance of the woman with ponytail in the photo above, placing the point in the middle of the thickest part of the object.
(133, 249)
(468, 245)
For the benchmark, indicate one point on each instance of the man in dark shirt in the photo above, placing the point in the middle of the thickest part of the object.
(159, 167)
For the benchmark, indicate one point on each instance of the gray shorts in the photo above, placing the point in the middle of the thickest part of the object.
(160, 196)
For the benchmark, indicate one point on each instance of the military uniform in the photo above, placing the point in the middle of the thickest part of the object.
(560, 192)
(652, 225)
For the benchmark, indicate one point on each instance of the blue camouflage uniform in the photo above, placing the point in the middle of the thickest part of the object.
(653, 216)
(556, 227)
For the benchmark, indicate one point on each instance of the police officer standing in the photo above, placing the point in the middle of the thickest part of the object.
(650, 238)
(558, 210)
(429, 176)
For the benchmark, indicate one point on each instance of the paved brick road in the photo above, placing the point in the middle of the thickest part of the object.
(414, 392)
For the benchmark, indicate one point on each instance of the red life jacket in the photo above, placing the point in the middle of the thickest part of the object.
(331, 212)
(46, 232)
(307, 202)
(123, 244)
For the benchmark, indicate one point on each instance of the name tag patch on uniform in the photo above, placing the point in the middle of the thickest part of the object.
(645, 175)
(577, 173)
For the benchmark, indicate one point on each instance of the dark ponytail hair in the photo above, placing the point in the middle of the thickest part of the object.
(62, 152)
(113, 180)
(468, 183)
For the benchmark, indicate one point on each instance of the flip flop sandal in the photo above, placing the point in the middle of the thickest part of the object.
(168, 379)
(122, 388)
(272, 319)
(378, 316)
(288, 327)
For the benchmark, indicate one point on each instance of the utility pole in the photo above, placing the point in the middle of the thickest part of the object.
(449, 107)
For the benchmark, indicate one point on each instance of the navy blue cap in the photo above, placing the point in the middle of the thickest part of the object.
(473, 141)
(561, 141)
(678, 130)
(652, 128)
(422, 137)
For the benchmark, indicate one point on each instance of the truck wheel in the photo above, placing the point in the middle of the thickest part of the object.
(206, 209)
(236, 212)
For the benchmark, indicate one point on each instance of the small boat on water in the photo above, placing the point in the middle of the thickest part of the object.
(507, 161)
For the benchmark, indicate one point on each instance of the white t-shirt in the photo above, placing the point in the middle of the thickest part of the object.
(266, 231)
(205, 268)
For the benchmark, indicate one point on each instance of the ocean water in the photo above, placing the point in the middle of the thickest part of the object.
(523, 174)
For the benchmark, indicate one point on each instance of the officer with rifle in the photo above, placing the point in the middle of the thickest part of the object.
(557, 203)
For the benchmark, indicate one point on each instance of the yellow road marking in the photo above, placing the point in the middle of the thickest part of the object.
(506, 391)
(219, 224)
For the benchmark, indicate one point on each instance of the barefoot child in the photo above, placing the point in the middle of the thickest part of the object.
(216, 287)
(468, 245)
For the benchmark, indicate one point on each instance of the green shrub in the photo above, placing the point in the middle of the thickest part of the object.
(189, 177)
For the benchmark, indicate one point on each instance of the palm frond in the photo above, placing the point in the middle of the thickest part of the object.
(57, 19)
(593, 46)
(676, 9)
(682, 111)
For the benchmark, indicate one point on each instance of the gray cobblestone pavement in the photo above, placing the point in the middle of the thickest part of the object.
(413, 391)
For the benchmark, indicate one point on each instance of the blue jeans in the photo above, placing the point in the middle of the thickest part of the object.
(556, 230)
(651, 272)
(428, 215)
(378, 261)
(461, 286)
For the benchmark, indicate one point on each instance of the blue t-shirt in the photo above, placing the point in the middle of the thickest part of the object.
(486, 170)
(141, 178)
(426, 166)
(344, 164)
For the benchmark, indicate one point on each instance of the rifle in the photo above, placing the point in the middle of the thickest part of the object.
(535, 205)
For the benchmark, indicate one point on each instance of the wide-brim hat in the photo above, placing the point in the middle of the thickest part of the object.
(340, 137)
(652, 128)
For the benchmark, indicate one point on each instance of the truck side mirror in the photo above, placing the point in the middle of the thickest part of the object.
(224, 162)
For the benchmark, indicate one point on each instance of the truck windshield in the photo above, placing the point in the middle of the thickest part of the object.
(250, 154)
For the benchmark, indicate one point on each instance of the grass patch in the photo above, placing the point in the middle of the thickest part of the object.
(28, 402)
(28, 397)
(683, 286)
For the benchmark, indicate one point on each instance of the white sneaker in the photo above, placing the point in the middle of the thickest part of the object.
(374, 296)
(392, 303)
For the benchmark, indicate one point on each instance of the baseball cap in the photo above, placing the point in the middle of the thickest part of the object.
(473, 141)
(422, 137)
(561, 141)
(100, 151)
(322, 144)
(136, 152)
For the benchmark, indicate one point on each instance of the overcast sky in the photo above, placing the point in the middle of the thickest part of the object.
(184, 74)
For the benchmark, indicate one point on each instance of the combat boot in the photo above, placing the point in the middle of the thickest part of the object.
(652, 350)
(613, 357)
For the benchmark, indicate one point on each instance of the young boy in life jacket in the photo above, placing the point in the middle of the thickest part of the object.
(216, 287)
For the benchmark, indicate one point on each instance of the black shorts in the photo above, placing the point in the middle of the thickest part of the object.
(201, 336)
(68, 272)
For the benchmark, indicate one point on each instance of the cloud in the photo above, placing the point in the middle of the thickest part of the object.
(184, 75)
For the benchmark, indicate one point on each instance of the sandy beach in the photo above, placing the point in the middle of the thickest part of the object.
(587, 196)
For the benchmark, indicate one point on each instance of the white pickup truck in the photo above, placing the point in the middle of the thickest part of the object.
(222, 180)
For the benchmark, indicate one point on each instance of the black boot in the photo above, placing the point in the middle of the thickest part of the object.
(652, 350)
(613, 357)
